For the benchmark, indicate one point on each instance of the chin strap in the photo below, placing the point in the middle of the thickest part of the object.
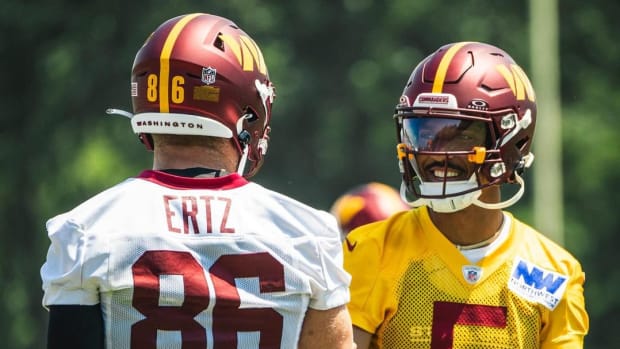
(112, 111)
(443, 205)
(243, 160)
(457, 203)
(415, 203)
(507, 203)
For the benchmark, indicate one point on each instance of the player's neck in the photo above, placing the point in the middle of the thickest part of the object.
(193, 157)
(472, 225)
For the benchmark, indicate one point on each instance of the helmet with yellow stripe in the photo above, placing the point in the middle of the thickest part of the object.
(200, 74)
(465, 121)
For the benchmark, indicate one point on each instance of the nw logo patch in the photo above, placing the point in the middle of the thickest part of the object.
(536, 284)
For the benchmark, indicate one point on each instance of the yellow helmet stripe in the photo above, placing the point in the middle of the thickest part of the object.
(442, 70)
(164, 62)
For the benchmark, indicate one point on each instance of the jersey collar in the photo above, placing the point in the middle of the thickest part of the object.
(230, 181)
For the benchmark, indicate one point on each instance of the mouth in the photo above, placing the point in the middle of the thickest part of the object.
(442, 171)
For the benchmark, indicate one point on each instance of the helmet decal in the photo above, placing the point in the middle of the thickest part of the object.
(437, 100)
(206, 93)
(478, 104)
(208, 75)
(518, 81)
(246, 51)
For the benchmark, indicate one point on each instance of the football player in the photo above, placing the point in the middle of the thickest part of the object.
(191, 254)
(458, 271)
(366, 203)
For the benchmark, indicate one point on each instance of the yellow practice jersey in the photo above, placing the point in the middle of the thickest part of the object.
(413, 288)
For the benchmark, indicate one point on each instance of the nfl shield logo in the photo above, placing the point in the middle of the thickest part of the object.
(208, 75)
(472, 273)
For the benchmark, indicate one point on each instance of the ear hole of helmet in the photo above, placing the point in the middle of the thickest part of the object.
(250, 115)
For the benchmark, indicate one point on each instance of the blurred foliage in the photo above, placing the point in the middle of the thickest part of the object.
(339, 67)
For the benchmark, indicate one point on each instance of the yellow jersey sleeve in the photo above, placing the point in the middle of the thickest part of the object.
(565, 326)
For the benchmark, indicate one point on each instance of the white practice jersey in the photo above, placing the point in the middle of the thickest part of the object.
(218, 262)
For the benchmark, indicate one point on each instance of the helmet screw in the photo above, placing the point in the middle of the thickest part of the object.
(244, 137)
(498, 169)
(509, 121)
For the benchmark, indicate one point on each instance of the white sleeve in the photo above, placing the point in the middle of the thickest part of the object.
(62, 273)
(335, 289)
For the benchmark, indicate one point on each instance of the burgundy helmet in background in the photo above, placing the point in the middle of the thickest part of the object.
(365, 204)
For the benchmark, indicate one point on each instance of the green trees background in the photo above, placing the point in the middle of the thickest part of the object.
(339, 67)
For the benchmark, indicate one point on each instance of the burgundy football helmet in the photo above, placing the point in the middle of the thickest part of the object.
(465, 121)
(365, 204)
(200, 74)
